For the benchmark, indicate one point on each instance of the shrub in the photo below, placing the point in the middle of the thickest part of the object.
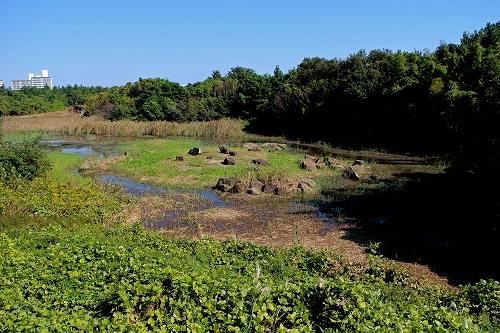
(482, 298)
(24, 159)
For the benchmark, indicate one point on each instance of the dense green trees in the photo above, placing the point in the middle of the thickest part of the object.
(442, 101)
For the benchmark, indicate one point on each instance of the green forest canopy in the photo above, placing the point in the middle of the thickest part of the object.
(442, 101)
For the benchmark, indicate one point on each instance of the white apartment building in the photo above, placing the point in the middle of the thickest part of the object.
(37, 81)
(1, 83)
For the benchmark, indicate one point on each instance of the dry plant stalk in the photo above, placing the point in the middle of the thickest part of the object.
(63, 122)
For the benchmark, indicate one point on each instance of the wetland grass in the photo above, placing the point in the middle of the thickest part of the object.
(68, 123)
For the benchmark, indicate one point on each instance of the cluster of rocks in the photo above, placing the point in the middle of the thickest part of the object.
(353, 171)
(269, 146)
(272, 147)
(230, 159)
(256, 186)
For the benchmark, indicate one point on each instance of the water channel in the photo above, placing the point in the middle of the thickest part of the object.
(103, 148)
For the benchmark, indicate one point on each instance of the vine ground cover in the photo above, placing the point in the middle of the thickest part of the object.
(92, 278)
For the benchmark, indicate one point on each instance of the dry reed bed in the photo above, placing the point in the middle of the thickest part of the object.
(63, 122)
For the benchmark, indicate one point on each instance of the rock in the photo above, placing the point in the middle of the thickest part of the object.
(358, 162)
(195, 151)
(308, 165)
(269, 187)
(373, 177)
(260, 161)
(225, 188)
(224, 149)
(239, 187)
(210, 157)
(273, 147)
(309, 157)
(257, 184)
(179, 158)
(232, 153)
(282, 146)
(229, 161)
(253, 190)
(351, 173)
(281, 190)
(250, 146)
(87, 165)
(225, 184)
(304, 187)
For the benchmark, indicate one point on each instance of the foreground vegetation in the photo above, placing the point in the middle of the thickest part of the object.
(87, 277)
(68, 263)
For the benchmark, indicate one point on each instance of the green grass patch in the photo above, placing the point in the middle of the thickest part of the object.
(65, 168)
(40, 200)
(154, 161)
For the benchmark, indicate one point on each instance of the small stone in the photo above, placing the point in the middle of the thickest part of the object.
(195, 151)
(253, 191)
(351, 173)
(229, 161)
(257, 184)
(281, 190)
(225, 184)
(260, 161)
(269, 187)
(86, 166)
(308, 165)
(240, 187)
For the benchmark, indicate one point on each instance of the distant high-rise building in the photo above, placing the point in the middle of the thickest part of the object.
(33, 81)
(1, 83)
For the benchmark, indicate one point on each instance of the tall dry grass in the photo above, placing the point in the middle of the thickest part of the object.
(63, 122)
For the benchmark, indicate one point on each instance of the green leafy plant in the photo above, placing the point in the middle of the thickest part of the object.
(25, 160)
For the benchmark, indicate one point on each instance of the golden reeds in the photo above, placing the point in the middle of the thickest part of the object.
(63, 122)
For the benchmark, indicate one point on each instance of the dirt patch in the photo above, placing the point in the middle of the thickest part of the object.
(280, 224)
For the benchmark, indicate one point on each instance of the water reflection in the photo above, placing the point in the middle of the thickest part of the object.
(81, 148)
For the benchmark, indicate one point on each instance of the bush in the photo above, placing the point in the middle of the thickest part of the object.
(482, 298)
(24, 160)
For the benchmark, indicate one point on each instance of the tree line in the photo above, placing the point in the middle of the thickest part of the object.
(446, 100)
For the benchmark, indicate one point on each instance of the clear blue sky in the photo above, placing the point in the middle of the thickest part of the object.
(111, 42)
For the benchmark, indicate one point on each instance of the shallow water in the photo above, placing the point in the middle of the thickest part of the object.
(105, 147)
(81, 148)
